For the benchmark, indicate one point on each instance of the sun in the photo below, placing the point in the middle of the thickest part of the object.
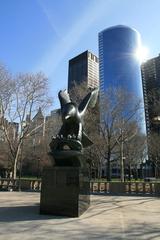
(141, 53)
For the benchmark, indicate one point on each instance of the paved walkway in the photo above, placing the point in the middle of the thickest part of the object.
(109, 217)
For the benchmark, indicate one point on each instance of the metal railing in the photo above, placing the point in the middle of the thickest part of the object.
(126, 188)
(20, 184)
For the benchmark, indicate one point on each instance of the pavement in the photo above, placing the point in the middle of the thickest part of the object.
(109, 217)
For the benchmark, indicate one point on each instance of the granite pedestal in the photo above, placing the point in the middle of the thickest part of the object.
(65, 191)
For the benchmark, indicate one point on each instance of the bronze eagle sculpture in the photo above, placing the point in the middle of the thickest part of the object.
(71, 138)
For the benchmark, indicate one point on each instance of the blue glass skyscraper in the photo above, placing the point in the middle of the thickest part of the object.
(119, 67)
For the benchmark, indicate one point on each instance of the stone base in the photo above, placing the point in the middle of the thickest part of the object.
(65, 191)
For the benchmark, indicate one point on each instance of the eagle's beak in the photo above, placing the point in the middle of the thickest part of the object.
(66, 117)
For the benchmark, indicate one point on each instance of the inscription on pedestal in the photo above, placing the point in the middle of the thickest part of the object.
(64, 192)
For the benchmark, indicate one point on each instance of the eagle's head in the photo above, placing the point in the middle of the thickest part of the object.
(70, 112)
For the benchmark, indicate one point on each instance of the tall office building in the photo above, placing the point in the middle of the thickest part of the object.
(118, 64)
(84, 68)
(151, 87)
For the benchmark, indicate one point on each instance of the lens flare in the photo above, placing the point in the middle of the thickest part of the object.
(141, 54)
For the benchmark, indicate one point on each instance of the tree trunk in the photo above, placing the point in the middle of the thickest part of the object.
(16, 161)
(108, 168)
(136, 173)
(129, 172)
(156, 171)
(99, 171)
(15, 169)
(122, 162)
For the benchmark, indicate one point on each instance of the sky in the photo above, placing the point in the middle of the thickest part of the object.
(42, 35)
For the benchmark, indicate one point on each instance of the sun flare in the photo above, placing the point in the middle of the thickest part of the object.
(142, 53)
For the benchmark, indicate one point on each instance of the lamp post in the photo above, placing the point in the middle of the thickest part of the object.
(24, 125)
(122, 156)
(121, 144)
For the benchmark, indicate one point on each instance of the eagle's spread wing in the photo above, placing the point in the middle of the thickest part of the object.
(64, 98)
(89, 100)
(85, 140)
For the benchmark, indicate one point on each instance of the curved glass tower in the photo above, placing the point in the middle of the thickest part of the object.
(119, 67)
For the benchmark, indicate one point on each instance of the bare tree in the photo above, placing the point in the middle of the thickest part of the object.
(91, 125)
(153, 98)
(153, 104)
(135, 152)
(154, 150)
(119, 113)
(20, 98)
